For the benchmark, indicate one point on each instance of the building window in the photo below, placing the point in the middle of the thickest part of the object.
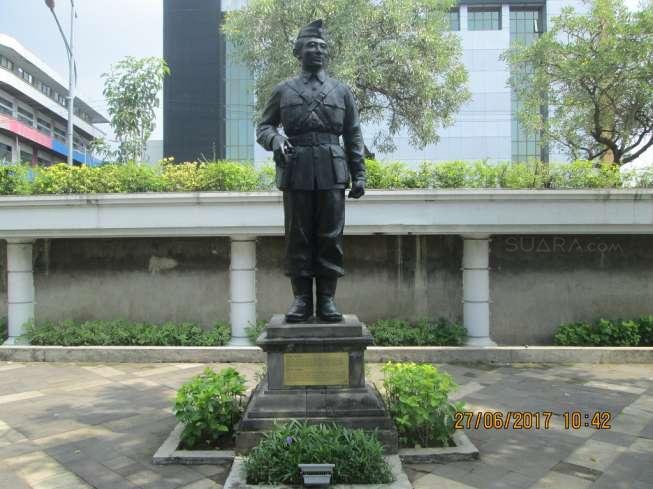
(6, 106)
(25, 76)
(25, 156)
(45, 89)
(239, 108)
(43, 161)
(44, 126)
(59, 134)
(484, 18)
(5, 153)
(525, 28)
(454, 19)
(60, 99)
(25, 116)
(6, 64)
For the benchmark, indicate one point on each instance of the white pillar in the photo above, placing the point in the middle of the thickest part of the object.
(20, 287)
(476, 289)
(242, 277)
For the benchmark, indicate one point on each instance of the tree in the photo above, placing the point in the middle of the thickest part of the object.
(131, 90)
(594, 72)
(398, 57)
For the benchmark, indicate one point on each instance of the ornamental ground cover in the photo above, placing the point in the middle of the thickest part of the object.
(423, 332)
(125, 333)
(241, 177)
(357, 455)
(605, 332)
(400, 332)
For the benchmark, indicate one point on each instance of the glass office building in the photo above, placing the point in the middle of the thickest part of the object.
(209, 101)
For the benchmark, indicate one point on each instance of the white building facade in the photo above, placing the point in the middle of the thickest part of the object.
(34, 114)
(487, 128)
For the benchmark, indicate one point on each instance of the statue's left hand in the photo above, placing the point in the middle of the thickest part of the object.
(357, 189)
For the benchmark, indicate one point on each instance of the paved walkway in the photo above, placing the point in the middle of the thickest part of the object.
(69, 426)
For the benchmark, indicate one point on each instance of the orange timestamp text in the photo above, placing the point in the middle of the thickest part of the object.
(530, 420)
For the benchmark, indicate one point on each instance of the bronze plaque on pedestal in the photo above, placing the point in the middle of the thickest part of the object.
(316, 368)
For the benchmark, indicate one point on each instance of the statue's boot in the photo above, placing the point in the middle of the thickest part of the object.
(301, 308)
(326, 306)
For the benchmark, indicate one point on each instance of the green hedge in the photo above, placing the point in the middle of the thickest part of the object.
(105, 333)
(423, 332)
(240, 177)
(604, 332)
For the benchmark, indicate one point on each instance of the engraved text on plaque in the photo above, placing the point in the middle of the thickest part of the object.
(316, 368)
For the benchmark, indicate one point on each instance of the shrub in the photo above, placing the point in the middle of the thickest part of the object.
(14, 180)
(417, 399)
(584, 174)
(645, 325)
(4, 333)
(183, 177)
(73, 333)
(210, 405)
(129, 177)
(243, 177)
(601, 333)
(357, 455)
(225, 175)
(397, 332)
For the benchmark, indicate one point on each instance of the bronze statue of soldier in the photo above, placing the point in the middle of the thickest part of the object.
(313, 170)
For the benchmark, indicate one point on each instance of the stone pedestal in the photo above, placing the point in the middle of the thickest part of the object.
(315, 373)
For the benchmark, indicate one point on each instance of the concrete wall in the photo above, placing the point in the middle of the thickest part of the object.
(537, 282)
(152, 280)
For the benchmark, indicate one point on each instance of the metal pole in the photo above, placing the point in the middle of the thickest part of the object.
(71, 86)
(71, 71)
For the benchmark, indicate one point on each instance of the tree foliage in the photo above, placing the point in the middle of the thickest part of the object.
(398, 57)
(594, 71)
(131, 89)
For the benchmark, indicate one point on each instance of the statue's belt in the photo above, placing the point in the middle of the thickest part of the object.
(314, 139)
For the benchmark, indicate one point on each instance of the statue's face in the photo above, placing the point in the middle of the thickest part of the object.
(314, 53)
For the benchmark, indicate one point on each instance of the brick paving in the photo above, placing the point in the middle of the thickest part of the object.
(69, 426)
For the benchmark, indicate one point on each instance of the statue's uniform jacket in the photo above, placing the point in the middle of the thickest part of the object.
(315, 111)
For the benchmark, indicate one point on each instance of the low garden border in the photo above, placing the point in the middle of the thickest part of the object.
(374, 354)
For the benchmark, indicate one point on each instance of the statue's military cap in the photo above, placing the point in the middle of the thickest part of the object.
(314, 29)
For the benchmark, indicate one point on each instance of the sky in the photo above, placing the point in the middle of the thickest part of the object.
(105, 32)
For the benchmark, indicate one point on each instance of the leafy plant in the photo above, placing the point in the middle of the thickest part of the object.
(417, 398)
(210, 405)
(398, 332)
(601, 333)
(357, 455)
(4, 333)
(99, 332)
